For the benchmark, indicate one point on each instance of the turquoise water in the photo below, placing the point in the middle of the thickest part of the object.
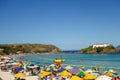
(106, 61)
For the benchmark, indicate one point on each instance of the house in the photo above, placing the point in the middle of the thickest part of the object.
(100, 45)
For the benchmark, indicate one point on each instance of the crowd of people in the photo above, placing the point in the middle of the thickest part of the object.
(56, 71)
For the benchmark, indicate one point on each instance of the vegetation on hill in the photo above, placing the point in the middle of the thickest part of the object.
(108, 49)
(27, 48)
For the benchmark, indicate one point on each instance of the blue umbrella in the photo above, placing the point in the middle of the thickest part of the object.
(18, 69)
(60, 70)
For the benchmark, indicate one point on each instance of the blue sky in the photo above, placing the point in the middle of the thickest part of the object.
(68, 24)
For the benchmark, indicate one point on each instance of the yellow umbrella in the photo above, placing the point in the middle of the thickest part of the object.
(76, 78)
(41, 71)
(43, 74)
(65, 73)
(90, 76)
(19, 75)
(48, 69)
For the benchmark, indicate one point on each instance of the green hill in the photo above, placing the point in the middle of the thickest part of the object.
(27, 48)
(108, 49)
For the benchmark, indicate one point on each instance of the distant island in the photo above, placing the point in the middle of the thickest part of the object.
(100, 48)
(118, 47)
(6, 49)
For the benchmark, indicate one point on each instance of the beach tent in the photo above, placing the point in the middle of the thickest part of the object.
(75, 71)
(76, 78)
(81, 74)
(43, 74)
(19, 75)
(90, 77)
(103, 77)
(65, 73)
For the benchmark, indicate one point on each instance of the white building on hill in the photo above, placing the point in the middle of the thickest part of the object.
(100, 45)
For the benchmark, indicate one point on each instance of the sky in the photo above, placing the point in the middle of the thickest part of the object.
(67, 24)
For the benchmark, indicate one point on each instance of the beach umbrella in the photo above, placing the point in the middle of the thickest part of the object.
(27, 64)
(112, 71)
(89, 71)
(60, 70)
(49, 69)
(52, 65)
(18, 69)
(90, 77)
(75, 71)
(32, 66)
(43, 74)
(112, 74)
(103, 77)
(76, 78)
(2, 62)
(19, 75)
(0, 57)
(15, 66)
(65, 73)
(8, 58)
(41, 71)
(68, 67)
(81, 74)
(12, 63)
(95, 73)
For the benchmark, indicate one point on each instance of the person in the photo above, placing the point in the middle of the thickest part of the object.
(39, 78)
(15, 78)
(62, 78)
(50, 78)
(18, 79)
(113, 78)
(45, 78)
(118, 78)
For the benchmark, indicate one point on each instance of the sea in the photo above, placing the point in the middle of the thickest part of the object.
(104, 61)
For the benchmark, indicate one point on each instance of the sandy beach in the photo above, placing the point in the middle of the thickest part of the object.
(9, 76)
(9, 68)
(6, 75)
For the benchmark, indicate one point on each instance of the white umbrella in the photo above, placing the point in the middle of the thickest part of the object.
(52, 65)
(2, 62)
(103, 77)
(68, 67)
(89, 71)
